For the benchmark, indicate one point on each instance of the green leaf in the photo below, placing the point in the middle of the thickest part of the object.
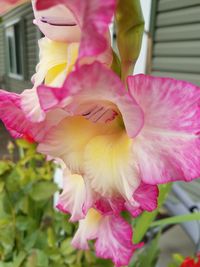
(4, 222)
(7, 238)
(149, 255)
(4, 167)
(6, 264)
(178, 259)
(12, 181)
(1, 186)
(42, 259)
(24, 144)
(66, 247)
(24, 223)
(130, 27)
(43, 190)
(30, 241)
(32, 260)
(177, 219)
(51, 237)
(19, 259)
(143, 223)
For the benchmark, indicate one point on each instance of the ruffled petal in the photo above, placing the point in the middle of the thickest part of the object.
(55, 58)
(58, 23)
(94, 141)
(56, 62)
(17, 123)
(109, 205)
(168, 148)
(146, 197)
(109, 165)
(114, 241)
(113, 237)
(12, 116)
(87, 230)
(73, 198)
(93, 17)
(31, 105)
(67, 141)
(101, 86)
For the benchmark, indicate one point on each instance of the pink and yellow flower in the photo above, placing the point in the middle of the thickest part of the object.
(116, 146)
(65, 42)
(112, 234)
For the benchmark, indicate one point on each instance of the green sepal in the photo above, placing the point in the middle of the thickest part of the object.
(116, 64)
(130, 27)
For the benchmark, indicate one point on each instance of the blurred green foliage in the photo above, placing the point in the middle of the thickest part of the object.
(32, 232)
(177, 260)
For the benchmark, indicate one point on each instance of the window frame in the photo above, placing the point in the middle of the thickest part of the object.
(10, 25)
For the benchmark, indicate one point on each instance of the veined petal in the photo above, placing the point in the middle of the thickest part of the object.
(113, 237)
(73, 198)
(96, 103)
(93, 17)
(103, 85)
(146, 198)
(56, 61)
(55, 58)
(88, 230)
(16, 122)
(109, 165)
(11, 114)
(110, 205)
(168, 147)
(114, 241)
(31, 106)
(68, 140)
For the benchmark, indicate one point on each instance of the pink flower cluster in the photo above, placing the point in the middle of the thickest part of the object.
(116, 145)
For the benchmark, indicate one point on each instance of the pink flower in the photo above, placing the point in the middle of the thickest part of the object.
(93, 18)
(122, 142)
(116, 145)
(117, 138)
(113, 237)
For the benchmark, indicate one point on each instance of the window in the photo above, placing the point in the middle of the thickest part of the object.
(14, 49)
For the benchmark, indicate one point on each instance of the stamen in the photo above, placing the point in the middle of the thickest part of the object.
(88, 112)
(100, 114)
(94, 112)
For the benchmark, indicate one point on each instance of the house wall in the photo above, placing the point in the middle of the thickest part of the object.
(30, 47)
(141, 65)
(176, 39)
